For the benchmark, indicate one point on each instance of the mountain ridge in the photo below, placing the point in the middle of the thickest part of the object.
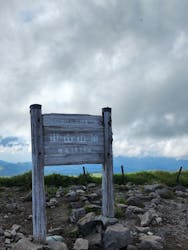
(131, 164)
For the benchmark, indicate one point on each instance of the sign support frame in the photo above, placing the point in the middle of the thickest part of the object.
(38, 191)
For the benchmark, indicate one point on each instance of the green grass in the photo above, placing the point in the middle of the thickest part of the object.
(56, 180)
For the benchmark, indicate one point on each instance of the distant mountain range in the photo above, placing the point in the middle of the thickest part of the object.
(131, 164)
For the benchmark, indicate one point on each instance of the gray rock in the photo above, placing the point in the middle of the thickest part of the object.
(147, 218)
(76, 204)
(72, 196)
(87, 224)
(56, 231)
(52, 203)
(136, 210)
(150, 242)
(181, 194)
(134, 201)
(28, 197)
(152, 187)
(92, 196)
(59, 192)
(77, 187)
(121, 206)
(116, 236)
(132, 219)
(7, 241)
(25, 244)
(142, 229)
(131, 247)
(7, 234)
(81, 244)
(106, 221)
(16, 227)
(95, 240)
(80, 192)
(56, 245)
(1, 232)
(77, 214)
(11, 207)
(54, 238)
(91, 185)
(165, 193)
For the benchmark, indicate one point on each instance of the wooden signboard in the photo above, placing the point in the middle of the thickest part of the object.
(66, 139)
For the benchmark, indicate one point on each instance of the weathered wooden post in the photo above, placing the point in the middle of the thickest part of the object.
(38, 192)
(122, 173)
(107, 175)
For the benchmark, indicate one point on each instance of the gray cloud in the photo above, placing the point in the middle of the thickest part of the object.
(79, 56)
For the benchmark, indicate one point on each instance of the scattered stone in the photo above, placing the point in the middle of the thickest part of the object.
(181, 194)
(152, 187)
(56, 231)
(106, 221)
(95, 240)
(147, 218)
(1, 232)
(165, 193)
(131, 247)
(80, 192)
(72, 196)
(136, 210)
(56, 245)
(81, 244)
(91, 185)
(149, 242)
(52, 203)
(134, 201)
(54, 238)
(16, 227)
(142, 229)
(7, 234)
(7, 241)
(25, 244)
(92, 208)
(30, 217)
(59, 192)
(116, 236)
(76, 204)
(77, 214)
(11, 207)
(28, 197)
(121, 206)
(131, 219)
(87, 224)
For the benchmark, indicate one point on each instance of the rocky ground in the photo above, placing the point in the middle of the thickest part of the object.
(146, 217)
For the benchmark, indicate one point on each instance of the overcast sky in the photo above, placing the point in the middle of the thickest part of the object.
(77, 56)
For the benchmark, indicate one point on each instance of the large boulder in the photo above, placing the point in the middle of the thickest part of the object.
(150, 242)
(165, 193)
(134, 201)
(77, 214)
(86, 225)
(56, 245)
(25, 244)
(81, 244)
(116, 237)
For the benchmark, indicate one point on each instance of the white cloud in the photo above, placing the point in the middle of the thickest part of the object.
(79, 56)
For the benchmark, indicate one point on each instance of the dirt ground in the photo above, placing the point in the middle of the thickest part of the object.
(13, 210)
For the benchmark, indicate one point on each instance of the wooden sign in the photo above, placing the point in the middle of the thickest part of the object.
(73, 139)
(65, 139)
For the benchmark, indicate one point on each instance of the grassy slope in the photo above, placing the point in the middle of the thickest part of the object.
(146, 177)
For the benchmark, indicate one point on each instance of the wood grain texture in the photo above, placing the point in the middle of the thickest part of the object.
(38, 193)
(80, 146)
(68, 121)
(107, 175)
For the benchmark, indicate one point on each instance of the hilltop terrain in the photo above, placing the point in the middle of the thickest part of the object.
(147, 216)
